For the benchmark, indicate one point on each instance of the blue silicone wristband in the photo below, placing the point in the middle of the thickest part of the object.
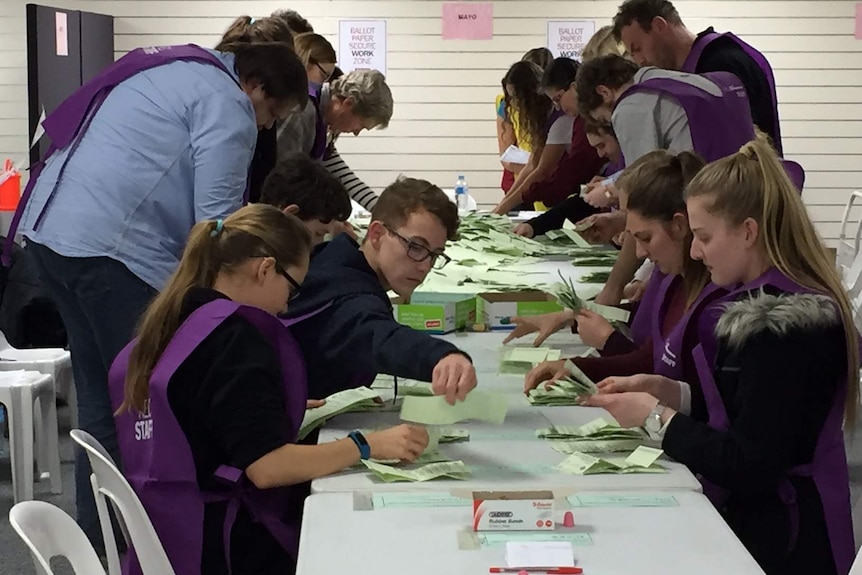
(361, 444)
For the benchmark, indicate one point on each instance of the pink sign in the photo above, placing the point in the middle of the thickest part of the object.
(468, 21)
(859, 21)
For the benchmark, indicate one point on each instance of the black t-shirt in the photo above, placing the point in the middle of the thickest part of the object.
(725, 55)
(227, 397)
(262, 163)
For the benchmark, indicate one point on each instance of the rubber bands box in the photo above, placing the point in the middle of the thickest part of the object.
(513, 511)
(436, 313)
(497, 308)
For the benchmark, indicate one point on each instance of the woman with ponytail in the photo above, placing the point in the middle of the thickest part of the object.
(779, 374)
(210, 396)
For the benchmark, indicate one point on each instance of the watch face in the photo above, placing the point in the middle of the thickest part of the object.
(653, 423)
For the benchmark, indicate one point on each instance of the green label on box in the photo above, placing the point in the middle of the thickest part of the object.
(423, 317)
(526, 308)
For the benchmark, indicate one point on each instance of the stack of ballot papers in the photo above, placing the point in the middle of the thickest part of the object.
(480, 405)
(641, 460)
(341, 402)
(447, 469)
(564, 391)
(568, 297)
(596, 436)
(520, 360)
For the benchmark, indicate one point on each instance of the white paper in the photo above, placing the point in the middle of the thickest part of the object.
(568, 38)
(62, 30)
(515, 155)
(362, 45)
(40, 130)
(539, 554)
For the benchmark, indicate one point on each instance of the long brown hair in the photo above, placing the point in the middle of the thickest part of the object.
(314, 49)
(246, 29)
(532, 106)
(753, 184)
(213, 247)
(655, 189)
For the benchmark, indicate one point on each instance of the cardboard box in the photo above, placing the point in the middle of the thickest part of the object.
(513, 511)
(499, 307)
(436, 313)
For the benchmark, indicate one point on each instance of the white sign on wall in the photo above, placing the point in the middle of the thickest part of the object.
(568, 38)
(362, 45)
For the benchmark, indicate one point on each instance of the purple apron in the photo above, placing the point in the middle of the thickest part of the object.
(669, 351)
(690, 66)
(829, 465)
(711, 139)
(318, 150)
(641, 326)
(68, 123)
(157, 459)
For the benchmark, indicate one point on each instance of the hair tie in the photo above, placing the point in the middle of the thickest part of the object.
(217, 230)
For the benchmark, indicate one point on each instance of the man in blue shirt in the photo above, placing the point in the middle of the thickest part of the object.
(109, 215)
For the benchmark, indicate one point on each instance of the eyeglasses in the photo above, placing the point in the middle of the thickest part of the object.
(296, 288)
(556, 99)
(419, 253)
(326, 75)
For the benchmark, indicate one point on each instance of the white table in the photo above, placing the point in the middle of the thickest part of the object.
(501, 457)
(689, 539)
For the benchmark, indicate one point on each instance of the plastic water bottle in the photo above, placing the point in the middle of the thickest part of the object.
(4, 442)
(462, 194)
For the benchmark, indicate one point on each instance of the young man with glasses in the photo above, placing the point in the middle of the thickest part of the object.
(355, 336)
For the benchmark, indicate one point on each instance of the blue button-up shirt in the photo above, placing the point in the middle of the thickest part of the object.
(169, 147)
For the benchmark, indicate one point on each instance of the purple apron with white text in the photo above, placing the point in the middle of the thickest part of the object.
(641, 326)
(828, 467)
(318, 150)
(719, 125)
(158, 462)
(68, 123)
(668, 352)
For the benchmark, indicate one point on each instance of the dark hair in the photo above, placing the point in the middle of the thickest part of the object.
(560, 74)
(533, 107)
(247, 30)
(406, 196)
(300, 180)
(643, 12)
(336, 73)
(294, 21)
(655, 189)
(275, 66)
(598, 128)
(612, 71)
(541, 57)
(314, 49)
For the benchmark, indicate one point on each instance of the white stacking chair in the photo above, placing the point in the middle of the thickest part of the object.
(108, 482)
(56, 362)
(849, 241)
(19, 392)
(49, 532)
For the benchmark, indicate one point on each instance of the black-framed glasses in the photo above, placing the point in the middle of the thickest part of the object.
(419, 253)
(296, 287)
(326, 74)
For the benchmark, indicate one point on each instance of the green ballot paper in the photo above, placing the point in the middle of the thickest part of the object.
(389, 474)
(337, 403)
(520, 360)
(481, 405)
(642, 460)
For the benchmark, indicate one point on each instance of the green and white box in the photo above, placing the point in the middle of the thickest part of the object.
(497, 308)
(436, 313)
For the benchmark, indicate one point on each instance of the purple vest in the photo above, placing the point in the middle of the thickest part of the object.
(67, 124)
(641, 326)
(828, 467)
(710, 138)
(157, 459)
(690, 66)
(668, 352)
(318, 150)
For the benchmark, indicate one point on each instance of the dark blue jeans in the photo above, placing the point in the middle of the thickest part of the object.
(100, 302)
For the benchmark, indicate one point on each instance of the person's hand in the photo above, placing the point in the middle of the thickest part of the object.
(405, 442)
(313, 403)
(663, 388)
(546, 324)
(630, 409)
(610, 295)
(605, 227)
(524, 230)
(634, 291)
(545, 372)
(601, 196)
(593, 329)
(454, 376)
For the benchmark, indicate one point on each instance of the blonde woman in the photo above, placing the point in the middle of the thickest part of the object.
(779, 374)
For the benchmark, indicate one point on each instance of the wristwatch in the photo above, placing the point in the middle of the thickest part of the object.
(653, 424)
(361, 444)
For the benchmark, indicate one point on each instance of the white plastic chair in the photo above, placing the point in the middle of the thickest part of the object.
(848, 248)
(19, 392)
(49, 532)
(109, 483)
(56, 362)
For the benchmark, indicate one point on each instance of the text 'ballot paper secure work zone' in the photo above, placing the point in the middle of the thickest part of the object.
(481, 405)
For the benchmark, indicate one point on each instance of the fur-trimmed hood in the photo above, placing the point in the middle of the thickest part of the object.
(778, 314)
